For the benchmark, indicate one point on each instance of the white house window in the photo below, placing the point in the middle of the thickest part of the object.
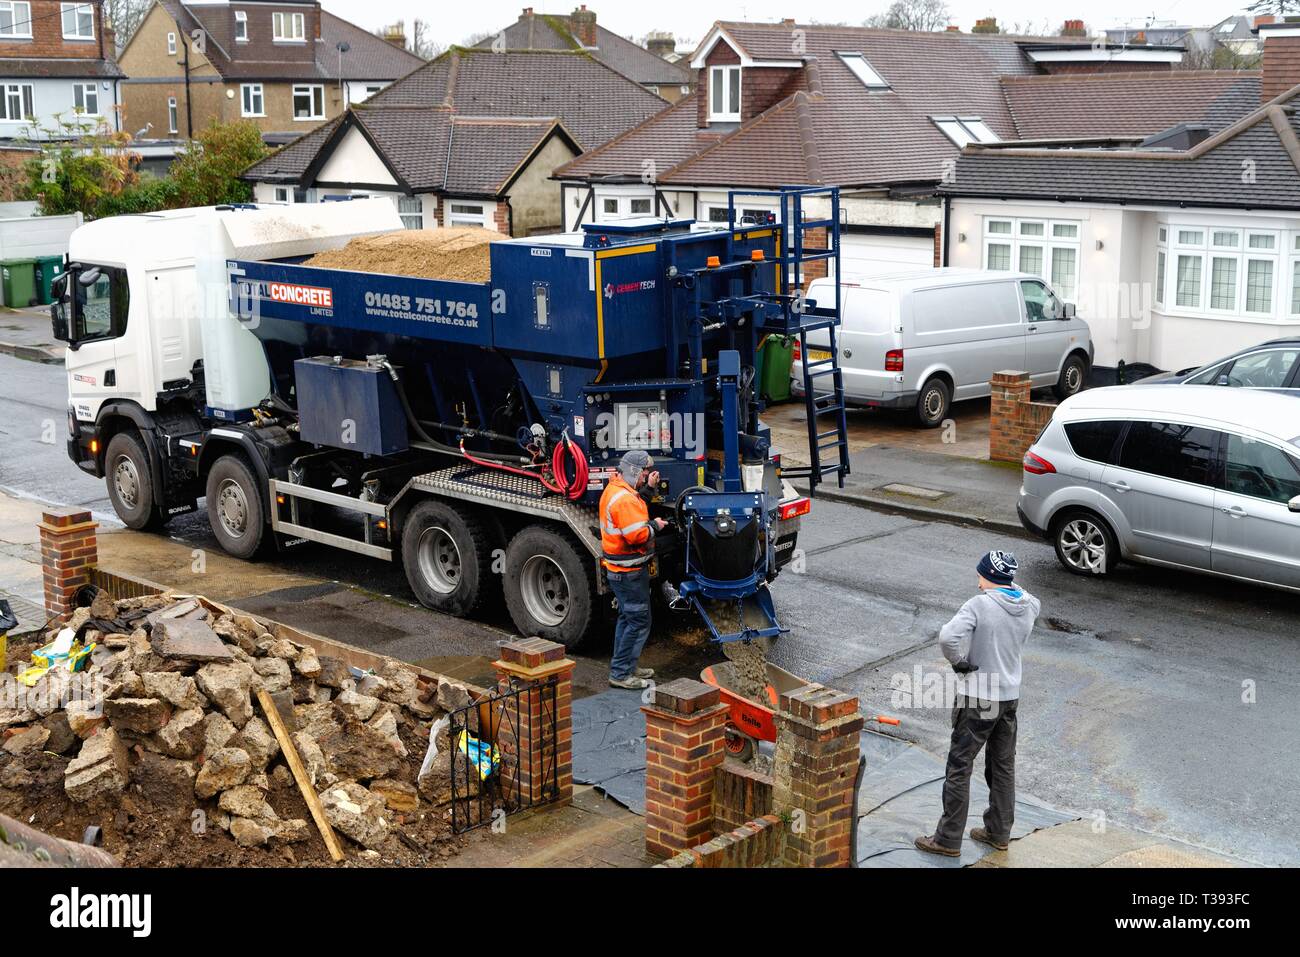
(467, 214)
(15, 19)
(1048, 249)
(621, 206)
(252, 101)
(241, 26)
(171, 115)
(78, 21)
(309, 102)
(16, 104)
(864, 71)
(1222, 271)
(171, 44)
(288, 27)
(965, 129)
(610, 206)
(411, 209)
(724, 93)
(85, 98)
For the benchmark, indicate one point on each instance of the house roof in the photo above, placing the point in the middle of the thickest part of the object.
(543, 32)
(592, 101)
(426, 149)
(830, 129)
(1066, 105)
(1266, 143)
(73, 69)
(370, 57)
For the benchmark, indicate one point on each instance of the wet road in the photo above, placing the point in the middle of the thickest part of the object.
(1155, 700)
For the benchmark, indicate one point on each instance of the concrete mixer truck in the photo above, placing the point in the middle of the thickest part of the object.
(463, 429)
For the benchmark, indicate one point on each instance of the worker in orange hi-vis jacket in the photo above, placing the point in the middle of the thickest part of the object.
(627, 538)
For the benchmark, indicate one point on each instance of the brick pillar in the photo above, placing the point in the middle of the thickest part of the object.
(817, 750)
(68, 553)
(534, 738)
(1010, 393)
(684, 744)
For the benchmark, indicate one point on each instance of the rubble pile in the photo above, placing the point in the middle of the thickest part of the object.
(162, 744)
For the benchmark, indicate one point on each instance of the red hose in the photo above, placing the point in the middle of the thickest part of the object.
(574, 489)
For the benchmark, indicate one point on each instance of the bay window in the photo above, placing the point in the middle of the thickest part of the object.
(1227, 271)
(1048, 249)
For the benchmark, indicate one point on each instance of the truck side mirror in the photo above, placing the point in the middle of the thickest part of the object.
(59, 287)
(1068, 310)
(1294, 504)
(58, 322)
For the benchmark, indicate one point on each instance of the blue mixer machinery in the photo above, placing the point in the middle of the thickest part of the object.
(636, 334)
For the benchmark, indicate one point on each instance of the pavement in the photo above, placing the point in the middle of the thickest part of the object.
(1157, 704)
(25, 334)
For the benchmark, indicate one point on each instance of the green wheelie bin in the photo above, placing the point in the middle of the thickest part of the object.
(774, 368)
(18, 280)
(47, 267)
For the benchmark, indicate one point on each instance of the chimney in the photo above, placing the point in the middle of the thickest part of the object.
(1280, 64)
(1073, 28)
(1261, 20)
(1139, 39)
(953, 28)
(528, 12)
(582, 23)
(986, 25)
(396, 34)
(661, 44)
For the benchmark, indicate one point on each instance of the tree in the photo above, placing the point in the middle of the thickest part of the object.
(125, 16)
(207, 173)
(1277, 8)
(920, 15)
(422, 43)
(78, 168)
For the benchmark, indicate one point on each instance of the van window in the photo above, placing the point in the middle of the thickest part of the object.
(1183, 452)
(1040, 304)
(1095, 441)
(1260, 470)
(975, 306)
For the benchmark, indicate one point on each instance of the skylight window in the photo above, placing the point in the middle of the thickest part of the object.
(965, 129)
(864, 71)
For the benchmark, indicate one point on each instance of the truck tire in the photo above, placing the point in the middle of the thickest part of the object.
(448, 558)
(933, 403)
(130, 482)
(235, 507)
(1074, 376)
(549, 587)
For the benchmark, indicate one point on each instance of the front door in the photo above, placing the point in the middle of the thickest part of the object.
(1256, 535)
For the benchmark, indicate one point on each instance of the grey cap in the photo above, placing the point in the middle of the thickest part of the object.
(632, 463)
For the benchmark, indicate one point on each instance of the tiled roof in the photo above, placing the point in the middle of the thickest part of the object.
(542, 32)
(1209, 175)
(669, 138)
(594, 103)
(1127, 104)
(369, 57)
(80, 68)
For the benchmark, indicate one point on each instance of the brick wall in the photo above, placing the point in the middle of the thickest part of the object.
(68, 553)
(1014, 419)
(813, 241)
(685, 744)
(938, 244)
(501, 218)
(47, 36)
(1281, 66)
(740, 795)
(756, 843)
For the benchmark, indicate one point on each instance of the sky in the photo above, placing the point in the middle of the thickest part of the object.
(689, 20)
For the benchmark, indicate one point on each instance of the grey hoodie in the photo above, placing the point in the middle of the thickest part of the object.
(989, 631)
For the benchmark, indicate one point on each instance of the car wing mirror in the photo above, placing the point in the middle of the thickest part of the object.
(1068, 310)
(1294, 504)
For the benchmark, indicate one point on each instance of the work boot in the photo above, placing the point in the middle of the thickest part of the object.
(631, 683)
(931, 846)
(644, 672)
(981, 835)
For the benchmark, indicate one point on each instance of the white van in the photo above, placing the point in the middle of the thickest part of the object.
(922, 340)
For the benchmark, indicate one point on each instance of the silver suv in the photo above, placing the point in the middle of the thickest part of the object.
(1201, 478)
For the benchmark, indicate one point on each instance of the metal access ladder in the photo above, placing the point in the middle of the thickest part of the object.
(823, 380)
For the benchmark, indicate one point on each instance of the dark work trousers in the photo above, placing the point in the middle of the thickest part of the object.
(975, 725)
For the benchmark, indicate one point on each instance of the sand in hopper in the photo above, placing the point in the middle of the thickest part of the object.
(454, 253)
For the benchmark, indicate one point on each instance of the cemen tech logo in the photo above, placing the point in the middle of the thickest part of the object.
(76, 910)
(612, 289)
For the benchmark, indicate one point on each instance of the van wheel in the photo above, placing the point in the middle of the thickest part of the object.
(130, 483)
(448, 558)
(549, 587)
(933, 403)
(1074, 375)
(1084, 543)
(235, 507)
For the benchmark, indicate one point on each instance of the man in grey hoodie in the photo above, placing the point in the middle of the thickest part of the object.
(983, 642)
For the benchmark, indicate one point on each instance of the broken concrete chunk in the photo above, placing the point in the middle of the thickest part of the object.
(334, 673)
(9, 717)
(307, 663)
(29, 739)
(128, 684)
(293, 831)
(249, 833)
(357, 752)
(84, 716)
(356, 813)
(313, 760)
(188, 640)
(247, 801)
(184, 735)
(61, 739)
(256, 738)
(284, 648)
(177, 609)
(224, 769)
(452, 697)
(274, 672)
(283, 701)
(228, 687)
(103, 606)
(141, 715)
(100, 768)
(217, 732)
(397, 795)
(358, 706)
(372, 685)
(180, 690)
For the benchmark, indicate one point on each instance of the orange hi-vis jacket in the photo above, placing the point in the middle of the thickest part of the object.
(626, 535)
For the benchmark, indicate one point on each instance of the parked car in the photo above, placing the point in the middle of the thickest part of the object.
(1271, 365)
(1201, 478)
(921, 340)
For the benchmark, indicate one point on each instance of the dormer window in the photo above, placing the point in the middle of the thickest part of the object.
(864, 71)
(288, 27)
(241, 26)
(965, 129)
(724, 94)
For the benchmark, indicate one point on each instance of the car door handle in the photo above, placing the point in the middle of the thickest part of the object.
(1119, 486)
(1236, 511)
(1033, 328)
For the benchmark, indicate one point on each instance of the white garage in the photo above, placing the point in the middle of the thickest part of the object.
(864, 254)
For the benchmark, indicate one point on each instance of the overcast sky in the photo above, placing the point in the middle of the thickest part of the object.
(690, 19)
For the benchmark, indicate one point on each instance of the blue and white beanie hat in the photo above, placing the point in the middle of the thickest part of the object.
(998, 567)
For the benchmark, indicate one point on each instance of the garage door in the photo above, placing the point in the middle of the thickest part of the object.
(878, 254)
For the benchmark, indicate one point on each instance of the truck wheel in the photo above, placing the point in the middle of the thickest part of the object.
(235, 507)
(933, 403)
(1074, 374)
(130, 483)
(549, 588)
(448, 558)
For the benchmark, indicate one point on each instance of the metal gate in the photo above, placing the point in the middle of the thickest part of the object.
(503, 754)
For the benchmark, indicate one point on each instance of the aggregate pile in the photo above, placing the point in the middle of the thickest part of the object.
(454, 253)
(161, 743)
